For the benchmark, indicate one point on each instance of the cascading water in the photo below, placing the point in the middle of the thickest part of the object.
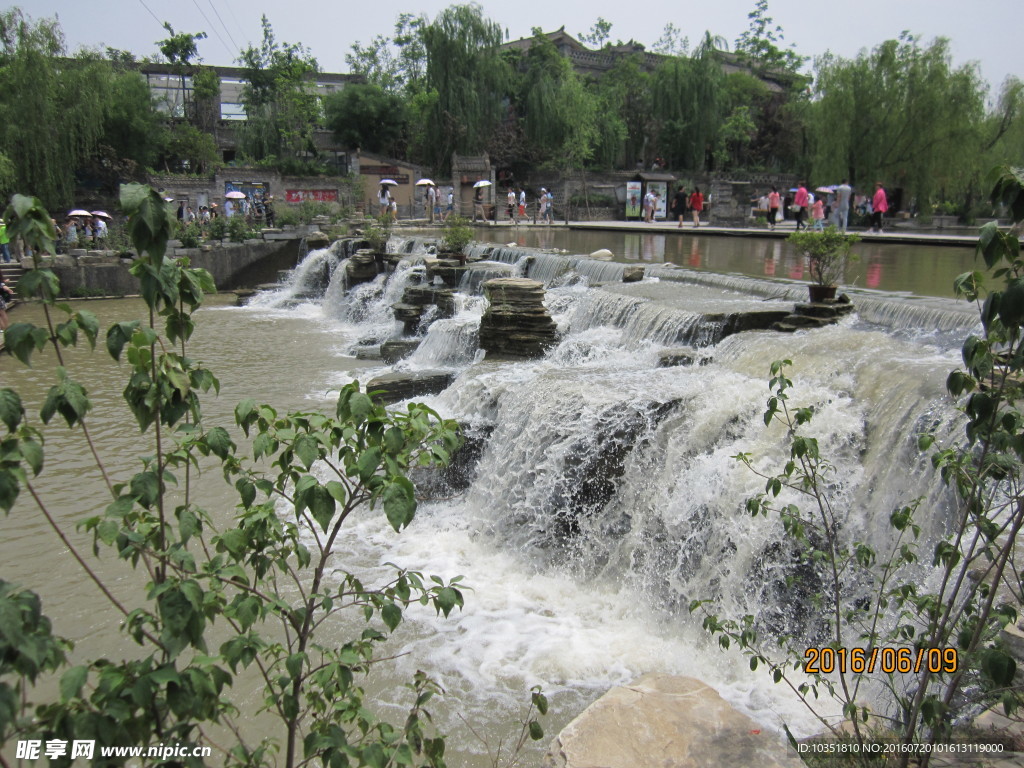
(605, 497)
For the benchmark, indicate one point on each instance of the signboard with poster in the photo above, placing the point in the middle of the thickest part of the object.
(314, 195)
(634, 199)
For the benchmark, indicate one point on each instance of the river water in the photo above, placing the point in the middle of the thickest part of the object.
(605, 499)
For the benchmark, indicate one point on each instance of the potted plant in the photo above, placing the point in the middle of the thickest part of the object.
(827, 252)
(457, 236)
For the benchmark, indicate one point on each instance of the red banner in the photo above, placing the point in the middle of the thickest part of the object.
(318, 195)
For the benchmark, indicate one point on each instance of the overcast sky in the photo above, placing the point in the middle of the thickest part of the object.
(986, 31)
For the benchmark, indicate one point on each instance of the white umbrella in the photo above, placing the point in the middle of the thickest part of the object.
(424, 183)
(235, 195)
(102, 214)
(389, 182)
(483, 183)
(79, 212)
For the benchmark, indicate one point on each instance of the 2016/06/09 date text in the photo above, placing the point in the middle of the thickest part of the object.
(885, 660)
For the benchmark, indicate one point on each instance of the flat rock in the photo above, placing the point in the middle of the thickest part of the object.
(664, 721)
(394, 387)
(393, 351)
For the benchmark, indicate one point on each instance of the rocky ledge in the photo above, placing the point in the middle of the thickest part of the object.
(669, 722)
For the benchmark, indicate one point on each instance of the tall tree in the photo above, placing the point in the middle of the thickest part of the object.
(396, 64)
(53, 106)
(687, 98)
(281, 105)
(469, 80)
(180, 48)
(761, 43)
(900, 114)
(365, 115)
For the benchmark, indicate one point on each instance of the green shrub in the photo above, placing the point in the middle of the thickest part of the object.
(190, 235)
(218, 228)
(457, 235)
(286, 216)
(377, 234)
(239, 230)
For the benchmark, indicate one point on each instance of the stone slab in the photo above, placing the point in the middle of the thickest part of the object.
(664, 721)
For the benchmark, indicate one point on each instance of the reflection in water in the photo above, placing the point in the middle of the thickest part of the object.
(694, 260)
(925, 270)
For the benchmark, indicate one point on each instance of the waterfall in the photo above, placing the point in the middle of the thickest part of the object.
(310, 278)
(601, 495)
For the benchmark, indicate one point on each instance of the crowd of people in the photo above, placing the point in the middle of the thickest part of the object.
(831, 206)
(259, 211)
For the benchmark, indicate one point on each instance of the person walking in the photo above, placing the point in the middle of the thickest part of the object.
(431, 201)
(511, 202)
(879, 205)
(384, 199)
(679, 204)
(800, 201)
(451, 205)
(844, 193)
(818, 215)
(774, 202)
(522, 204)
(696, 206)
(5, 243)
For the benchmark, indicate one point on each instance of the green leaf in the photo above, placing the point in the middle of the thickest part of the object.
(11, 409)
(22, 339)
(32, 453)
(247, 490)
(392, 615)
(118, 335)
(71, 682)
(399, 500)
(367, 463)
(306, 448)
(145, 486)
(446, 599)
(999, 666)
(536, 731)
(9, 488)
(321, 505)
(220, 443)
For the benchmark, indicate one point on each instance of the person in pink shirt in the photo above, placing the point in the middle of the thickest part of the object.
(800, 205)
(774, 201)
(879, 205)
(818, 215)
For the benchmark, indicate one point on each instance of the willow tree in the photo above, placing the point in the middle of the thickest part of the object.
(559, 115)
(466, 81)
(625, 91)
(53, 107)
(900, 114)
(687, 99)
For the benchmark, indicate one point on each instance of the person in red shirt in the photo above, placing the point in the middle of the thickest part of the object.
(696, 205)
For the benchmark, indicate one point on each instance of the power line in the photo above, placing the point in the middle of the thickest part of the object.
(211, 25)
(235, 18)
(152, 14)
(225, 26)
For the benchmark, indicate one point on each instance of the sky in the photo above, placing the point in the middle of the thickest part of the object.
(983, 31)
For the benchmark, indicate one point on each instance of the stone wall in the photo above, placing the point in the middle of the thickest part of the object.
(233, 265)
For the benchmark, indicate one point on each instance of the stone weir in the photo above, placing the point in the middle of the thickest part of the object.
(516, 324)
